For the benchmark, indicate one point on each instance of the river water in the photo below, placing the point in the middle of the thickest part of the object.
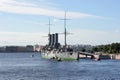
(21, 66)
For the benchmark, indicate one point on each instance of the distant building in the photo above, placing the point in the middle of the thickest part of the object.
(37, 48)
(11, 48)
(21, 49)
(29, 48)
(2, 49)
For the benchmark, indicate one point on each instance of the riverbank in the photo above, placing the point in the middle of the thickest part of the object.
(102, 56)
(110, 56)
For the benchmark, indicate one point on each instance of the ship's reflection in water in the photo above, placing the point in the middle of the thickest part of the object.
(21, 66)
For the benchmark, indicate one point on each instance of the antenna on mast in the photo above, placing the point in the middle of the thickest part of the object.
(49, 24)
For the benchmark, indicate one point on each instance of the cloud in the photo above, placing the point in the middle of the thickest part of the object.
(15, 3)
(93, 37)
(22, 38)
(15, 6)
(82, 36)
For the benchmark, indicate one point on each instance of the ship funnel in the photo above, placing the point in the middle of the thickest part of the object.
(50, 39)
(56, 39)
(53, 40)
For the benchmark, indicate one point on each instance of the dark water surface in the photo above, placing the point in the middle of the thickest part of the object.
(21, 66)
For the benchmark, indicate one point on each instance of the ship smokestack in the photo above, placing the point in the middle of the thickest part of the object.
(56, 39)
(50, 39)
(53, 39)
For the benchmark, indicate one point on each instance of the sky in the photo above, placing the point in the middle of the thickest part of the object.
(93, 22)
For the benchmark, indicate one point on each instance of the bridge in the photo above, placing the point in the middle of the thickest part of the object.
(92, 56)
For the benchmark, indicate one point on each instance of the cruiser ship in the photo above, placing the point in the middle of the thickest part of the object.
(54, 50)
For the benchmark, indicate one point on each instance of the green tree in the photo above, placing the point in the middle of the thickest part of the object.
(95, 49)
(83, 50)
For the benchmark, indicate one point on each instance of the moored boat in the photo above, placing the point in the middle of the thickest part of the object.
(54, 50)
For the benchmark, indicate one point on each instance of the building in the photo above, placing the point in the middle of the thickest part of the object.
(37, 48)
(21, 49)
(2, 49)
(29, 48)
(11, 48)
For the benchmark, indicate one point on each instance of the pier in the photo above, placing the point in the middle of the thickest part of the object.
(85, 55)
(93, 56)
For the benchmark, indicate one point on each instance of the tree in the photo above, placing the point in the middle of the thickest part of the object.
(109, 48)
(95, 49)
(83, 50)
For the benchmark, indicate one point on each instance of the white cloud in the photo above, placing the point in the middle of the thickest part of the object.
(22, 38)
(15, 3)
(14, 6)
(81, 36)
(93, 37)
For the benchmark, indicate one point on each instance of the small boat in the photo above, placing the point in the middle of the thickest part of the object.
(32, 55)
(97, 59)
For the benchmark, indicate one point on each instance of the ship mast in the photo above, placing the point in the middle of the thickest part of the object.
(65, 28)
(65, 32)
(49, 24)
